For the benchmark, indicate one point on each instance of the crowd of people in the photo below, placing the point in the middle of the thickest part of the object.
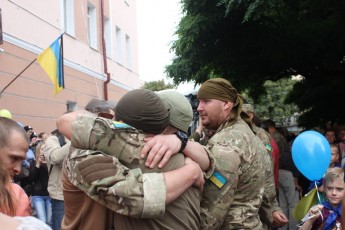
(133, 166)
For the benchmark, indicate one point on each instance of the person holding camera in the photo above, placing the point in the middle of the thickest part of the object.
(39, 175)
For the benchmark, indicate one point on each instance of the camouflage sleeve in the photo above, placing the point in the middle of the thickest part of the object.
(266, 210)
(112, 138)
(81, 129)
(269, 200)
(155, 194)
(211, 170)
(122, 192)
(123, 142)
(195, 137)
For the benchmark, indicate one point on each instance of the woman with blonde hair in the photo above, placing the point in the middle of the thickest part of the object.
(39, 175)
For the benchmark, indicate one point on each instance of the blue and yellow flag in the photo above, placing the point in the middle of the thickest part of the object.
(218, 179)
(51, 60)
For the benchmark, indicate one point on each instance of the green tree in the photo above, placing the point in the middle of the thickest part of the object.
(272, 105)
(157, 85)
(249, 42)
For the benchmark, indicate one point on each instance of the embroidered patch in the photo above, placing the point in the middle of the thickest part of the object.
(120, 125)
(268, 147)
(218, 179)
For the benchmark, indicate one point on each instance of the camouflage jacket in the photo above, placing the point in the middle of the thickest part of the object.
(234, 189)
(269, 201)
(123, 192)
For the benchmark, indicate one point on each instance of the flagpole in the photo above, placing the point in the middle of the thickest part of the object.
(61, 50)
(17, 76)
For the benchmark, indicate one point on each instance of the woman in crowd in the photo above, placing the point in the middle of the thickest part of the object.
(41, 201)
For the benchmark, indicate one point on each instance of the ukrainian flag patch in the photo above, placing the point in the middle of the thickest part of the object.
(120, 125)
(218, 179)
(268, 147)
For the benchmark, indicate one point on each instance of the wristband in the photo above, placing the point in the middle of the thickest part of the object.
(184, 139)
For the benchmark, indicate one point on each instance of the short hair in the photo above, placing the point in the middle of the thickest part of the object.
(264, 125)
(7, 127)
(99, 106)
(270, 123)
(331, 130)
(335, 146)
(257, 121)
(332, 174)
(40, 135)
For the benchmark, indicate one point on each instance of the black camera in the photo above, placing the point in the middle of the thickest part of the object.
(33, 135)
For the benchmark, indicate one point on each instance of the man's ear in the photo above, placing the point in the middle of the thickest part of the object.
(228, 105)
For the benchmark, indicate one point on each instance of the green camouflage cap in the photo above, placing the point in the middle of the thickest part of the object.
(181, 113)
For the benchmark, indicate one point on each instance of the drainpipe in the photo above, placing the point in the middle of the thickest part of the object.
(105, 84)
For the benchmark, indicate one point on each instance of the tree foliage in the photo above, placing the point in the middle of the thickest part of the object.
(272, 106)
(157, 85)
(251, 41)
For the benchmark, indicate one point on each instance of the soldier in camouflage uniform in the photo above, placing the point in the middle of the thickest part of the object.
(235, 185)
(123, 142)
(235, 181)
(288, 176)
(270, 212)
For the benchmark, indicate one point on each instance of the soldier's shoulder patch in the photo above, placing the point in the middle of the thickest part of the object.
(218, 179)
(120, 125)
(268, 147)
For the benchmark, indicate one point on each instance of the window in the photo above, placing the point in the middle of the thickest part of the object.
(128, 52)
(69, 17)
(118, 56)
(107, 36)
(92, 25)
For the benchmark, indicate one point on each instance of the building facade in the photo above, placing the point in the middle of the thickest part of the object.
(30, 26)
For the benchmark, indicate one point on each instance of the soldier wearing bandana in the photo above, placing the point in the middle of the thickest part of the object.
(232, 160)
(235, 176)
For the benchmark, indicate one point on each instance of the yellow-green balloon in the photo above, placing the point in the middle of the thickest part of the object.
(5, 113)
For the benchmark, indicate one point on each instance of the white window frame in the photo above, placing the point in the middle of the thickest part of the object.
(128, 52)
(92, 25)
(68, 17)
(118, 47)
(107, 36)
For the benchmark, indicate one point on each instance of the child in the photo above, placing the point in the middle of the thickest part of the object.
(334, 163)
(336, 157)
(327, 215)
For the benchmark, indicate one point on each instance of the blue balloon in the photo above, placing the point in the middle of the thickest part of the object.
(311, 154)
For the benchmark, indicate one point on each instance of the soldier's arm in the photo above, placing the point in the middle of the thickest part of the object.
(64, 122)
(179, 180)
(160, 148)
(96, 133)
(126, 191)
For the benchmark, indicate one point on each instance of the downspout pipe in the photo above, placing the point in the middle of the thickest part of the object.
(105, 84)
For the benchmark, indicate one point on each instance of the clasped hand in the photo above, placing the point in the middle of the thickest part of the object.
(158, 149)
